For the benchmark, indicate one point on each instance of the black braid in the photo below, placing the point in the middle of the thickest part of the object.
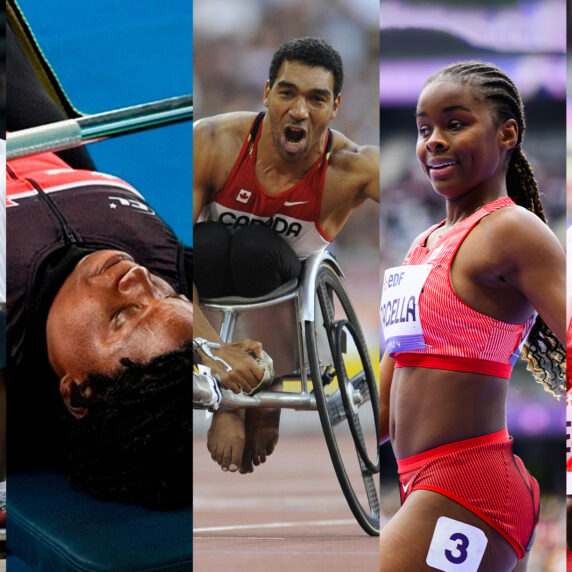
(545, 354)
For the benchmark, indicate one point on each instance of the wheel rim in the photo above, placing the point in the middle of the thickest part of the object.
(338, 406)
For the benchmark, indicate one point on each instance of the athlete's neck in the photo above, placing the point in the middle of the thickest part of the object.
(463, 207)
(276, 173)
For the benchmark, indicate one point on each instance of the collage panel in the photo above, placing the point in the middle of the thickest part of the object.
(306, 277)
(568, 298)
(300, 201)
(447, 413)
(99, 319)
(2, 290)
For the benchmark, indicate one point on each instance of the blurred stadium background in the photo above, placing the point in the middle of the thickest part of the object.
(528, 40)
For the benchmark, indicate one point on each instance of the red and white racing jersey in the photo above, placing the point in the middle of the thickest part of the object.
(294, 213)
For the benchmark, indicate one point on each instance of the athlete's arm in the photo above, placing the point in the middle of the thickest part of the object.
(569, 276)
(385, 376)
(203, 144)
(535, 263)
(216, 143)
(569, 522)
(369, 166)
(245, 373)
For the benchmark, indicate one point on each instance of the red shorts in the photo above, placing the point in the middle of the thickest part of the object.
(484, 476)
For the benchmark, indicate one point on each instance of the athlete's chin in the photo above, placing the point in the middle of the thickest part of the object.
(447, 190)
(290, 156)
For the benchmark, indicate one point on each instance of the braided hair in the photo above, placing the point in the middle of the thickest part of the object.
(545, 354)
(135, 443)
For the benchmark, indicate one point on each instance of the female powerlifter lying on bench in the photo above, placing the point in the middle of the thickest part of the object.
(99, 333)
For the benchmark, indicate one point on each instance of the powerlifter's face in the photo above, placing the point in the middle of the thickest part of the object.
(300, 104)
(109, 308)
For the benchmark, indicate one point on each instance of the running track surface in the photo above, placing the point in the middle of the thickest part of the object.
(289, 515)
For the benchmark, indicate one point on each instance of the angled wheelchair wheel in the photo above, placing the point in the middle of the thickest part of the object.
(346, 395)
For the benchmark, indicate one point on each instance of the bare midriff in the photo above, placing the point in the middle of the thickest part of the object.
(433, 407)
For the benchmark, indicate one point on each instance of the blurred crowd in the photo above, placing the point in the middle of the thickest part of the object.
(234, 41)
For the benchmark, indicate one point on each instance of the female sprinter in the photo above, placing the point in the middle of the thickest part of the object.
(455, 315)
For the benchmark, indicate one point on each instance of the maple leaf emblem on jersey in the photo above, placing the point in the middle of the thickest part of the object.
(243, 196)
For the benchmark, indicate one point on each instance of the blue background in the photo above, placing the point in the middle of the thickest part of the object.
(109, 54)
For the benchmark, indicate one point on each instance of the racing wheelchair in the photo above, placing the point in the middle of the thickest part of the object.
(311, 330)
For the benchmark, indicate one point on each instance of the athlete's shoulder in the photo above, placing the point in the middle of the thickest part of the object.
(223, 128)
(346, 153)
(515, 233)
(513, 221)
(355, 167)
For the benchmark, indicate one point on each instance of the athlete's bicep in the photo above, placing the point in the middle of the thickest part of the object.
(538, 270)
(569, 275)
(385, 378)
(203, 144)
(370, 167)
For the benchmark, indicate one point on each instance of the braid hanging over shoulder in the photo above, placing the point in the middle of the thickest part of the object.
(545, 354)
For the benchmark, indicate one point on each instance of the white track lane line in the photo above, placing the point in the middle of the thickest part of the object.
(275, 525)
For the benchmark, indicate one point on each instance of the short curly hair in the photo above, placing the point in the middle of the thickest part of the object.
(135, 443)
(311, 52)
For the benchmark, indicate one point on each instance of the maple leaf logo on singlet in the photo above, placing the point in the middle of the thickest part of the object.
(243, 196)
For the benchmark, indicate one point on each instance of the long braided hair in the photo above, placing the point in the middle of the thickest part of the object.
(545, 354)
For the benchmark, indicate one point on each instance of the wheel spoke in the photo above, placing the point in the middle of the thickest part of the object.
(343, 401)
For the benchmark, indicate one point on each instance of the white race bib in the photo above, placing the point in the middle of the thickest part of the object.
(400, 320)
(456, 546)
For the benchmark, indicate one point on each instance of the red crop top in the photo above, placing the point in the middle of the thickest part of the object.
(425, 323)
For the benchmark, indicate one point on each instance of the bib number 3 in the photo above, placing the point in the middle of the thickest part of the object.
(456, 546)
(461, 548)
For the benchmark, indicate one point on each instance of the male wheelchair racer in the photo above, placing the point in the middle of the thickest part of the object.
(310, 329)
